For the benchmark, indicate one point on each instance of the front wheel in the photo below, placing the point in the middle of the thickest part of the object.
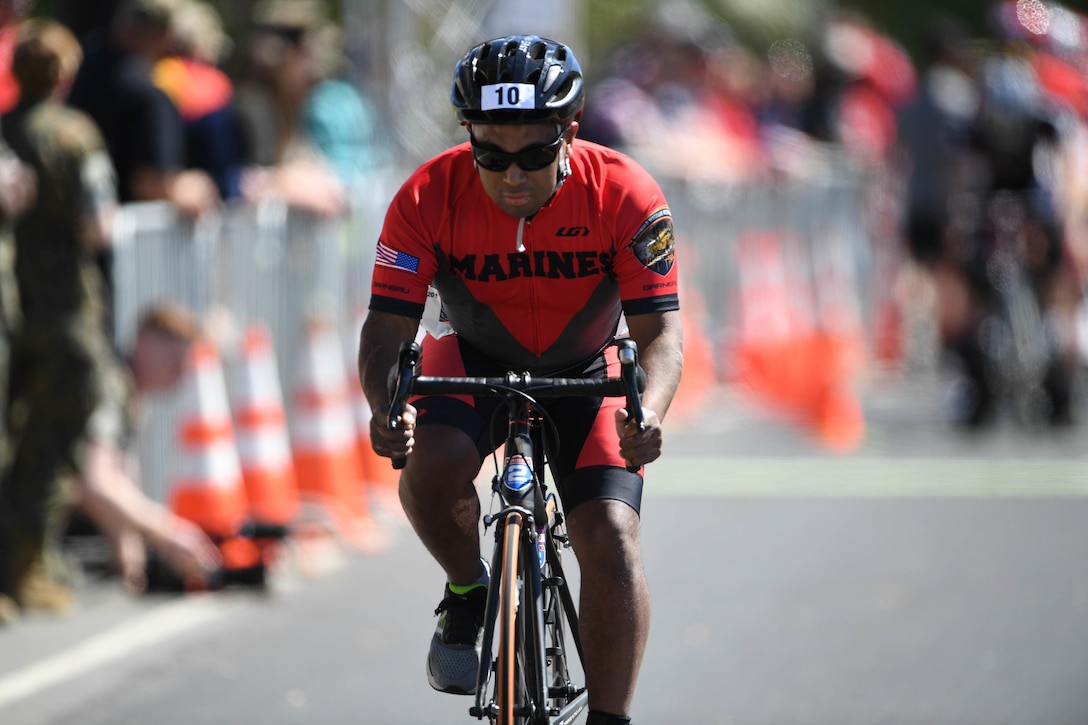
(510, 691)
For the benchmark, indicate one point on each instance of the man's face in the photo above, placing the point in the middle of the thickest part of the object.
(158, 360)
(521, 193)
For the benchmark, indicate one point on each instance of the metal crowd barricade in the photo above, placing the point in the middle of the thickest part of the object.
(819, 223)
(249, 263)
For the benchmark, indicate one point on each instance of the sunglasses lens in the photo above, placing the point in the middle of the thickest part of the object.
(491, 160)
(536, 159)
(532, 159)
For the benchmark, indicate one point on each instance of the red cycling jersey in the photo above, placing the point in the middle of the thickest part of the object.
(537, 294)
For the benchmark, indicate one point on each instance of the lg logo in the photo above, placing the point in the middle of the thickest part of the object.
(572, 232)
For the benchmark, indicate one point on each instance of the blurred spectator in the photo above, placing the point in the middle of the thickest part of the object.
(943, 175)
(142, 127)
(18, 188)
(110, 494)
(680, 98)
(1019, 129)
(71, 403)
(278, 68)
(873, 78)
(1062, 68)
(981, 140)
(789, 110)
(340, 121)
(791, 85)
(934, 134)
(735, 83)
(87, 19)
(203, 93)
(11, 13)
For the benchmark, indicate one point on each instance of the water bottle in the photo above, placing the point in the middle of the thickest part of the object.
(518, 476)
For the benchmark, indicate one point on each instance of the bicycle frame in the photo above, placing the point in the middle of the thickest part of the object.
(531, 521)
(535, 686)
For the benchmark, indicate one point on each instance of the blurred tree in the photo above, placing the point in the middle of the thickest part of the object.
(609, 24)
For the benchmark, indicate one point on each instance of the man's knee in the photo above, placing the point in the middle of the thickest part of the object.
(440, 468)
(605, 530)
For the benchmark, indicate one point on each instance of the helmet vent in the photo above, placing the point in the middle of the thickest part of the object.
(563, 91)
(538, 51)
(554, 71)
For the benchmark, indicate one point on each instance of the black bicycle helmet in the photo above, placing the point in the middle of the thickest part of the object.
(489, 82)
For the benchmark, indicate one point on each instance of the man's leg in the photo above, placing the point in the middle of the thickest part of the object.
(444, 509)
(441, 502)
(614, 608)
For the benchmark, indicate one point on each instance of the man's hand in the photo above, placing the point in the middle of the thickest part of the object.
(193, 192)
(639, 447)
(186, 549)
(396, 442)
(130, 558)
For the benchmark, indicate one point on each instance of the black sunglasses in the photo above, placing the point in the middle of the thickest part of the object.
(530, 158)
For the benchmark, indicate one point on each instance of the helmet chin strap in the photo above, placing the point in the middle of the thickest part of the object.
(564, 165)
(563, 172)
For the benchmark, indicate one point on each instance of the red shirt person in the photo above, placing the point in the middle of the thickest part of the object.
(543, 249)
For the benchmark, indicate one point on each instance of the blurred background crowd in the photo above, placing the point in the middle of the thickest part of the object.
(966, 143)
(973, 144)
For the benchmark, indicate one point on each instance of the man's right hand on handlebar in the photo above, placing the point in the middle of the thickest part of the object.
(393, 442)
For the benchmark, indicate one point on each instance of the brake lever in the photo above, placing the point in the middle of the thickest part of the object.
(633, 382)
(399, 386)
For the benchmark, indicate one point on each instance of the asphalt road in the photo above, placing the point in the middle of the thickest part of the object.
(928, 578)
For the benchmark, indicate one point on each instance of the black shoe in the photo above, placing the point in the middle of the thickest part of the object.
(454, 657)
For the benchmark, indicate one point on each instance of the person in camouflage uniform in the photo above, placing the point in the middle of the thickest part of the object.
(18, 187)
(70, 390)
(60, 365)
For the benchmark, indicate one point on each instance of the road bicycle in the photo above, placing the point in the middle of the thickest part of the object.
(1018, 332)
(525, 675)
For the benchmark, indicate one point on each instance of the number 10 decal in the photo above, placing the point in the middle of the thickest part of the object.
(499, 96)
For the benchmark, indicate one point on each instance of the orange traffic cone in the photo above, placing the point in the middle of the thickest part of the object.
(264, 446)
(838, 416)
(699, 375)
(323, 437)
(769, 326)
(208, 488)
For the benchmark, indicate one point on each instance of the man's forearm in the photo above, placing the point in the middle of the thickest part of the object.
(660, 342)
(111, 498)
(379, 347)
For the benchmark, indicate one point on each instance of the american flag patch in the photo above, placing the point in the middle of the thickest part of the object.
(389, 257)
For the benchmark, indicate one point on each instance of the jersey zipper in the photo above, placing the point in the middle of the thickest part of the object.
(523, 224)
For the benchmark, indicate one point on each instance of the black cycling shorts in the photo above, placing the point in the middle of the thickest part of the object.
(587, 459)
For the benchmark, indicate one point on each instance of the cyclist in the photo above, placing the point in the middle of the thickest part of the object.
(542, 250)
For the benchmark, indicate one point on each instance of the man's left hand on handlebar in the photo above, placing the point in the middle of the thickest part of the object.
(393, 442)
(639, 447)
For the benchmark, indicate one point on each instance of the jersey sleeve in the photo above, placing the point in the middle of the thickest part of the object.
(405, 260)
(645, 261)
